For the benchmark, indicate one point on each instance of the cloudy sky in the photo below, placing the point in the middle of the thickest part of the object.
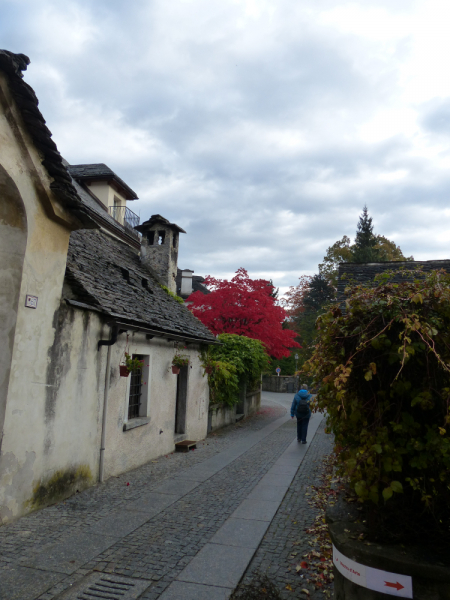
(261, 127)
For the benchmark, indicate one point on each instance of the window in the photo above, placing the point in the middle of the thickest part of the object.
(137, 412)
(134, 399)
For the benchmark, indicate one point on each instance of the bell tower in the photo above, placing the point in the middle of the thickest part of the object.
(159, 248)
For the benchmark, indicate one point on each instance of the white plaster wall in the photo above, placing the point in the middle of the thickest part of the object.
(128, 449)
(46, 419)
(106, 193)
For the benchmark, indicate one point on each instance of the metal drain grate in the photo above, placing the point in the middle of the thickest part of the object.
(102, 586)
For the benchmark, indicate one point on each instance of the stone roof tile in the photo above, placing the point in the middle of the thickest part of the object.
(108, 274)
(13, 65)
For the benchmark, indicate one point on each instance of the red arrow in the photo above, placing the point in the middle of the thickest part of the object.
(398, 586)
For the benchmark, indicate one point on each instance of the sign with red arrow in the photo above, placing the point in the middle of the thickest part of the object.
(373, 579)
(398, 586)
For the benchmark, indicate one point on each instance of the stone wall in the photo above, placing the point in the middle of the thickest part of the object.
(221, 415)
(162, 257)
(288, 384)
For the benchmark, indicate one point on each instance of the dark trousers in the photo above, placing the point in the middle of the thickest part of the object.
(302, 428)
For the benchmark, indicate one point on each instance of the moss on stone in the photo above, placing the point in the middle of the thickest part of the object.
(60, 485)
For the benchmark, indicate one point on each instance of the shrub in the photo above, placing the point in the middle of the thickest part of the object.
(239, 359)
(384, 371)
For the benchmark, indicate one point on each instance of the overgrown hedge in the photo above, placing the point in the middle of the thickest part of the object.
(384, 371)
(238, 360)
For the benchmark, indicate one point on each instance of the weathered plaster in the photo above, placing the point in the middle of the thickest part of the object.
(42, 410)
(13, 237)
(128, 449)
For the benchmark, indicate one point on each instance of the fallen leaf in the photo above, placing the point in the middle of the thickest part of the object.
(288, 587)
(305, 592)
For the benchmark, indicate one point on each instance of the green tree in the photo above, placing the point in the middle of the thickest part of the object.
(304, 304)
(364, 249)
(368, 247)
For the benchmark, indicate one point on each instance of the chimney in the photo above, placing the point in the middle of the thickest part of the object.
(186, 283)
(159, 248)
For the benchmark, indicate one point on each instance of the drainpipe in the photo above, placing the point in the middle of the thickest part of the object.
(109, 343)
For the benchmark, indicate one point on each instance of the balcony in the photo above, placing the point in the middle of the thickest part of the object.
(125, 216)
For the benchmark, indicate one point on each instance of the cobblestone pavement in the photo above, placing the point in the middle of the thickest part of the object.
(84, 509)
(286, 542)
(162, 545)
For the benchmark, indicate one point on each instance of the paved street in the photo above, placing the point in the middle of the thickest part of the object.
(183, 526)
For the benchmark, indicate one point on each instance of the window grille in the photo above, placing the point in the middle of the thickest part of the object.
(134, 402)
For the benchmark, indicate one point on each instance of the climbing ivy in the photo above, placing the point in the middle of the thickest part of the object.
(238, 359)
(384, 370)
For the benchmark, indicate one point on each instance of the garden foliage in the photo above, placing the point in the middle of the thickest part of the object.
(384, 370)
(238, 360)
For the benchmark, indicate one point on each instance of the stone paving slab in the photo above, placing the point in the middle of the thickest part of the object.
(217, 565)
(240, 532)
(270, 493)
(277, 479)
(180, 590)
(258, 510)
(285, 543)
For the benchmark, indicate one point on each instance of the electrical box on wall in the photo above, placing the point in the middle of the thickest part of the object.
(31, 301)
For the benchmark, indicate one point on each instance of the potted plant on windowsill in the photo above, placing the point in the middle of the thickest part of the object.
(178, 361)
(131, 365)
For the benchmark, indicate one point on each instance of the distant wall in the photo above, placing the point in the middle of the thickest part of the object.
(284, 384)
(221, 415)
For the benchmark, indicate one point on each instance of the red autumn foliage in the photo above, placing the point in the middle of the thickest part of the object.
(246, 307)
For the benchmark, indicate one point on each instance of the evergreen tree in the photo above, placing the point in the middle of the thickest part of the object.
(320, 292)
(364, 250)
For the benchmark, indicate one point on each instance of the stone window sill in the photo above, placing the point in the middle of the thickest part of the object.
(138, 422)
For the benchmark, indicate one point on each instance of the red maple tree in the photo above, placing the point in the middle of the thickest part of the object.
(246, 307)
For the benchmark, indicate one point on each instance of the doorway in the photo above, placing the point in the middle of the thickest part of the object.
(181, 401)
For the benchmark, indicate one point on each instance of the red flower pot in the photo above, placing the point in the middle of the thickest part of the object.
(124, 372)
(175, 370)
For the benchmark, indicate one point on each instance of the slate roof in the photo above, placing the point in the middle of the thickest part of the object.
(100, 172)
(364, 273)
(27, 103)
(154, 220)
(107, 275)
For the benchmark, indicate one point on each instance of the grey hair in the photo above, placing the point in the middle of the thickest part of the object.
(304, 386)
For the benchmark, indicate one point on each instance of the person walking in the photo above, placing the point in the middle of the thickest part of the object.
(300, 409)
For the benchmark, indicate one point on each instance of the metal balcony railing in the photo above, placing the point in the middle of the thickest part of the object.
(124, 216)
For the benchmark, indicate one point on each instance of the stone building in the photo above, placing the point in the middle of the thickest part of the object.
(188, 283)
(77, 292)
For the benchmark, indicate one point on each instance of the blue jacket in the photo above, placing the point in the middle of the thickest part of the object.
(296, 400)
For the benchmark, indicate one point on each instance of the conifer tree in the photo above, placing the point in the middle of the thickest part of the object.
(364, 250)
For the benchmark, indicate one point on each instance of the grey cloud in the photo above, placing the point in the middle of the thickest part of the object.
(436, 116)
(220, 107)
